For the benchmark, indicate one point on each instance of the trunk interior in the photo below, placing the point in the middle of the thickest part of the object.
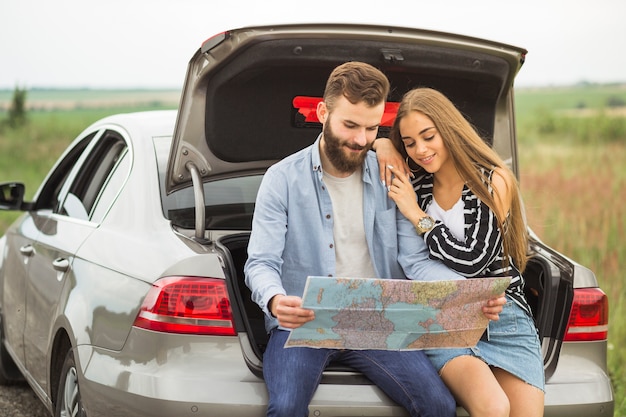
(256, 88)
(546, 290)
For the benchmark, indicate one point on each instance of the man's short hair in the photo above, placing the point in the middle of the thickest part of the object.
(357, 82)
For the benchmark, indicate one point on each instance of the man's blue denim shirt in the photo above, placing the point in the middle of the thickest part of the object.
(292, 231)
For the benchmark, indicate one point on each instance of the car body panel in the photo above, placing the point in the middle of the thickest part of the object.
(16, 255)
(48, 271)
(166, 368)
(579, 384)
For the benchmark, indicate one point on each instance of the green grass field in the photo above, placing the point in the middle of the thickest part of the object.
(573, 179)
(572, 144)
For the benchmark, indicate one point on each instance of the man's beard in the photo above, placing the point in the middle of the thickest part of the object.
(336, 155)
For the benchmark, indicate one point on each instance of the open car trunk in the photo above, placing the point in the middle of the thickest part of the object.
(238, 110)
(240, 113)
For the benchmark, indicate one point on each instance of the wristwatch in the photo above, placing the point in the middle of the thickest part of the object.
(424, 225)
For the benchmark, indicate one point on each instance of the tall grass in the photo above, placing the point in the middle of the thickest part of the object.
(573, 179)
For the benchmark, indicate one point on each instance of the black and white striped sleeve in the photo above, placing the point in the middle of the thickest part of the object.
(482, 245)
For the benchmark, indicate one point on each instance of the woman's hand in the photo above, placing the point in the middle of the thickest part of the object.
(402, 193)
(493, 308)
(387, 154)
(289, 312)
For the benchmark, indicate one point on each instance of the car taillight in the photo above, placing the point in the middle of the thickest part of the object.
(194, 305)
(589, 316)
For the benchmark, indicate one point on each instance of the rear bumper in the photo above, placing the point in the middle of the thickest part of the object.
(164, 375)
(580, 384)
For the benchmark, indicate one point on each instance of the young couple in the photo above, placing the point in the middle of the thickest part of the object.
(331, 210)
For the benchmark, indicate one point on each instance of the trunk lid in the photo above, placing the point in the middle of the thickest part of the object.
(237, 112)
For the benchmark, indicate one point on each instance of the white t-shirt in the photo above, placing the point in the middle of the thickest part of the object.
(351, 251)
(453, 218)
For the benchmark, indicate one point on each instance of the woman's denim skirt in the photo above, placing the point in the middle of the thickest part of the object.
(511, 343)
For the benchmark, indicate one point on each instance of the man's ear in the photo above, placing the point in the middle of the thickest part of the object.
(322, 112)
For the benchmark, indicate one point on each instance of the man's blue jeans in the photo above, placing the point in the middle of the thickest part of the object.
(293, 374)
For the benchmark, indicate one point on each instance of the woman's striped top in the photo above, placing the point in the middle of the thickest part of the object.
(482, 253)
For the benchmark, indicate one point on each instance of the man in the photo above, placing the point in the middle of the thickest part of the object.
(323, 211)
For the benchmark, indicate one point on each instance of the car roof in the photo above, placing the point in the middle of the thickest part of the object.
(146, 123)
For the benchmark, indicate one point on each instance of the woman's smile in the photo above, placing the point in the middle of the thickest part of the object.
(427, 160)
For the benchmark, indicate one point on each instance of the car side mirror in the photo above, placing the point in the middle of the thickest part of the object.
(12, 195)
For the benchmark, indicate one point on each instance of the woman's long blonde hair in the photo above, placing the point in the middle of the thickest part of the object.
(473, 159)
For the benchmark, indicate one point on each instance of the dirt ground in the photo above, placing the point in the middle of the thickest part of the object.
(20, 401)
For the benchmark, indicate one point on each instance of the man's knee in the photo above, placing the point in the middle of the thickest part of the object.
(443, 404)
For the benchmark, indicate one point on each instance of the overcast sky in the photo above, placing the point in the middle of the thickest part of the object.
(148, 43)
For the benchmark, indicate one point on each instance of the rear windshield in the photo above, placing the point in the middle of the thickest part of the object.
(229, 203)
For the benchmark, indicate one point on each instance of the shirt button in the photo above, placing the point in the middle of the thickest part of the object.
(328, 216)
(331, 246)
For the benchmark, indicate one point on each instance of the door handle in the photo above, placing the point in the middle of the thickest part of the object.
(27, 250)
(61, 264)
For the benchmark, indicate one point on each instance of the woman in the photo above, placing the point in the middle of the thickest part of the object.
(466, 205)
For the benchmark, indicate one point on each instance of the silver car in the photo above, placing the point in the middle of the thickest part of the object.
(121, 285)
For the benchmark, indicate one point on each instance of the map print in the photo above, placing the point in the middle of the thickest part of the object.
(395, 314)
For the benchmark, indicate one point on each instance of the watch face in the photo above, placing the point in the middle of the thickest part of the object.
(425, 224)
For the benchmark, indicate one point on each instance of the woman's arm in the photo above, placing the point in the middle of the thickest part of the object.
(388, 155)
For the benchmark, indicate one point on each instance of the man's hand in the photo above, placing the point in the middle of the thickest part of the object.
(289, 312)
(493, 308)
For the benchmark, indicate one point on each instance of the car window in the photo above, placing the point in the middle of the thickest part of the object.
(50, 193)
(229, 202)
(112, 187)
(93, 175)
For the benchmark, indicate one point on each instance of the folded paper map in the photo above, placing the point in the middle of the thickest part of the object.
(395, 314)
